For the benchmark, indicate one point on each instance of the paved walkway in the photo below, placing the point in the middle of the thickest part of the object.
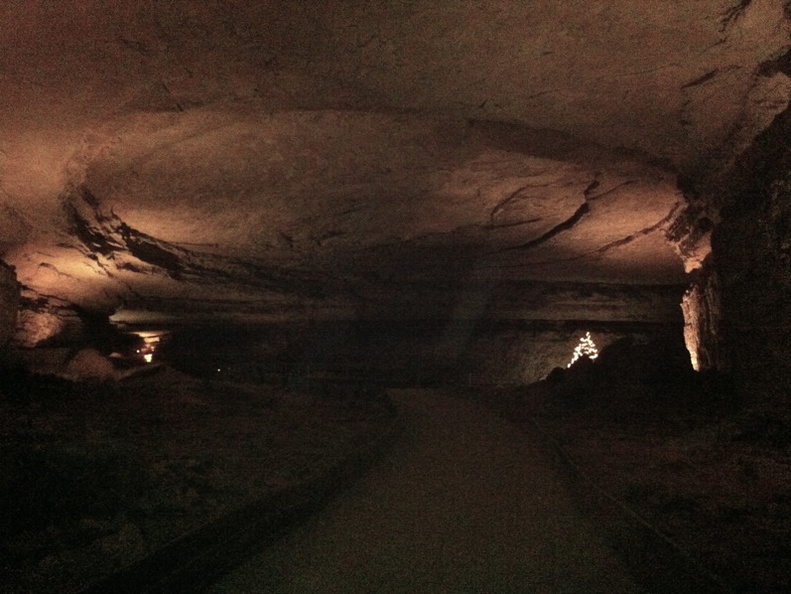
(463, 503)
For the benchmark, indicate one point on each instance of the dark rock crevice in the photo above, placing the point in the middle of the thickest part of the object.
(149, 250)
(662, 223)
(557, 229)
(701, 79)
(92, 234)
(733, 14)
(591, 194)
(511, 199)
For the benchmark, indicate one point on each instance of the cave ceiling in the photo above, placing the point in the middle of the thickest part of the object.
(341, 158)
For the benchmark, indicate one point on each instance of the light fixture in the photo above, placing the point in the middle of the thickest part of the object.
(585, 348)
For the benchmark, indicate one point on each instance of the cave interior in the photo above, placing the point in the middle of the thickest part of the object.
(408, 194)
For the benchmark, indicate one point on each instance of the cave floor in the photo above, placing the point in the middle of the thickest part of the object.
(96, 478)
(711, 477)
(464, 502)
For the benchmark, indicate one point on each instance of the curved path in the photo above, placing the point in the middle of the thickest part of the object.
(464, 502)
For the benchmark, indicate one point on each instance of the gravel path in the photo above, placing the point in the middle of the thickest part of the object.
(464, 502)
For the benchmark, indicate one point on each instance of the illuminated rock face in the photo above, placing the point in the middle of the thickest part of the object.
(279, 161)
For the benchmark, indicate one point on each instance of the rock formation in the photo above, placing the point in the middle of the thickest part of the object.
(474, 162)
(752, 260)
(9, 303)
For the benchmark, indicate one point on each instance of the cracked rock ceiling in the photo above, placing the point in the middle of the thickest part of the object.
(324, 159)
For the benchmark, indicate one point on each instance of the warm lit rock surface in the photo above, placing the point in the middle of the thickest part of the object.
(349, 215)
(285, 160)
(90, 365)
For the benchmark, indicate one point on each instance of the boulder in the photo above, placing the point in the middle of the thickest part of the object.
(89, 365)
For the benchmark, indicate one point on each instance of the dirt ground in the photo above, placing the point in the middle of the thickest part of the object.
(96, 477)
(705, 469)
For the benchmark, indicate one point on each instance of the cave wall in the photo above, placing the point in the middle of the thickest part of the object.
(394, 352)
(525, 330)
(509, 353)
(9, 303)
(751, 262)
(514, 333)
(702, 309)
(46, 322)
(358, 160)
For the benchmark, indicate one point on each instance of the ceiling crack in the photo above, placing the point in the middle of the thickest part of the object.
(733, 14)
(495, 226)
(589, 191)
(559, 228)
(701, 79)
(641, 232)
(598, 251)
(500, 206)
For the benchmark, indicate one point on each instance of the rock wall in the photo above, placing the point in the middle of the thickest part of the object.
(43, 321)
(751, 249)
(9, 303)
(702, 309)
(397, 352)
(508, 354)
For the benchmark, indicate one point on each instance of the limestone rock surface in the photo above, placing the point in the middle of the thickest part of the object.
(89, 365)
(287, 160)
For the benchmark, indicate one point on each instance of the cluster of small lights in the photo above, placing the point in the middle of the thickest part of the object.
(151, 341)
(586, 348)
(147, 357)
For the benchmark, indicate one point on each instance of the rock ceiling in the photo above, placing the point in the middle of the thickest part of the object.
(332, 158)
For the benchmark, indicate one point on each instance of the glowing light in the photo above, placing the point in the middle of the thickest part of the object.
(586, 348)
(151, 342)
